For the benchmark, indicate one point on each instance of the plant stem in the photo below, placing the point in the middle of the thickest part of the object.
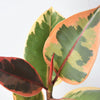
(49, 92)
(51, 70)
(50, 85)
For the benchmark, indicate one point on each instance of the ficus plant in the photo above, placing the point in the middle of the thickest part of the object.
(56, 48)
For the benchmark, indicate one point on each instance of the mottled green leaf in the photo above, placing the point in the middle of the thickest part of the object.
(75, 42)
(84, 94)
(36, 39)
(36, 97)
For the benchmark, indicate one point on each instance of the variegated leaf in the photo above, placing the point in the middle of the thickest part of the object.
(75, 42)
(36, 39)
(87, 93)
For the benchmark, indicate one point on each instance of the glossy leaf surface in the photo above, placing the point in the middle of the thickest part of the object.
(36, 39)
(36, 97)
(19, 76)
(84, 94)
(75, 42)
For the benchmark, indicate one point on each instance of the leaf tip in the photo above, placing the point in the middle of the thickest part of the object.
(51, 9)
(99, 6)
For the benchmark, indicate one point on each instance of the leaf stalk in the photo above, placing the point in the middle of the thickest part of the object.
(51, 70)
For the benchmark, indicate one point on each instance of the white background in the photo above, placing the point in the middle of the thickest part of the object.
(16, 19)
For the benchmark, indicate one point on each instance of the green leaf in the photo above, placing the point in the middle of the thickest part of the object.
(36, 97)
(75, 42)
(19, 76)
(87, 93)
(36, 39)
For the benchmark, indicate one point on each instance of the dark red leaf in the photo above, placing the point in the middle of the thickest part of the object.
(19, 76)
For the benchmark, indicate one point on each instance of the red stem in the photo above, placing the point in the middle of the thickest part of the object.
(51, 70)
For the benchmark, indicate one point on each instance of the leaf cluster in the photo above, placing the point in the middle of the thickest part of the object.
(56, 49)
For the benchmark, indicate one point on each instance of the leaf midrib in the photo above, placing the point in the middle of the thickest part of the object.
(71, 50)
(22, 78)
